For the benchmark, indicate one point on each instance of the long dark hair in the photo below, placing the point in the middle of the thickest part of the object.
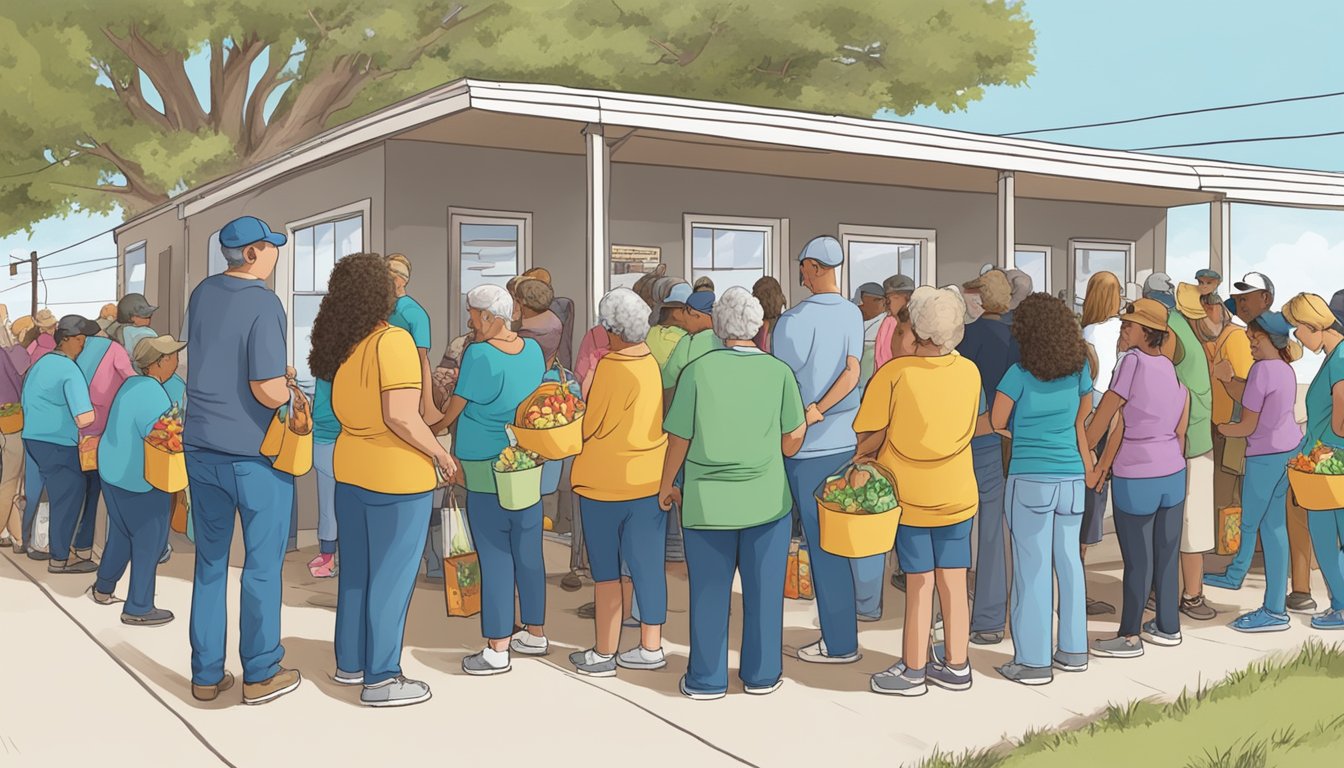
(1051, 342)
(359, 296)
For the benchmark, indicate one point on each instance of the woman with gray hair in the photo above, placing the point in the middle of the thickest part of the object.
(736, 502)
(498, 373)
(617, 477)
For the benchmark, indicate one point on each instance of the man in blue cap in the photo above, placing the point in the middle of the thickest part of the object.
(1208, 281)
(821, 339)
(237, 379)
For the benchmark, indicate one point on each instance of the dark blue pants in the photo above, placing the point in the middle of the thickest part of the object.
(88, 517)
(832, 575)
(67, 488)
(137, 530)
(634, 534)
(508, 545)
(1149, 513)
(759, 555)
(223, 486)
(381, 536)
(990, 611)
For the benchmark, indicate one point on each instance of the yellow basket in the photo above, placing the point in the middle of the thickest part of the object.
(551, 444)
(164, 470)
(858, 535)
(12, 424)
(1315, 492)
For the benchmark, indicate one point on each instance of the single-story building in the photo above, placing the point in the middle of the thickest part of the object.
(479, 181)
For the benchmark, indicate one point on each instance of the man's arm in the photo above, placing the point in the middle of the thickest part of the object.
(849, 379)
(271, 393)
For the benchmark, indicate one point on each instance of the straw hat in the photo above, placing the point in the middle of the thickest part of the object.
(45, 319)
(537, 273)
(1152, 314)
(1189, 303)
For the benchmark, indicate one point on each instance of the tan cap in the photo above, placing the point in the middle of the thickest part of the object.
(45, 319)
(148, 351)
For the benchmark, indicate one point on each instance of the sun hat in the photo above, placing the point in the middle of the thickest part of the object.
(148, 351)
(44, 319)
(1152, 314)
(1188, 302)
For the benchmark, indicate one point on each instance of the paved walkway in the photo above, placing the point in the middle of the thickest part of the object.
(824, 714)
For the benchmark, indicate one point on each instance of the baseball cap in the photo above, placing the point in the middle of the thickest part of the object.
(1209, 274)
(679, 295)
(134, 305)
(1254, 281)
(148, 351)
(1337, 306)
(986, 269)
(868, 289)
(898, 284)
(1158, 282)
(1274, 323)
(824, 250)
(246, 230)
(75, 325)
(702, 302)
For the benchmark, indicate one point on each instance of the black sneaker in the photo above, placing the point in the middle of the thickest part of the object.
(33, 554)
(1099, 607)
(1301, 602)
(78, 566)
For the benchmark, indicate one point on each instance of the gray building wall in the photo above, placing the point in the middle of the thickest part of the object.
(165, 265)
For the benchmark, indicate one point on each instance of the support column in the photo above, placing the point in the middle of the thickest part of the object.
(1220, 239)
(1007, 215)
(599, 198)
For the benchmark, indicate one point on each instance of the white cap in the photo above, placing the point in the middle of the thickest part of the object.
(1254, 281)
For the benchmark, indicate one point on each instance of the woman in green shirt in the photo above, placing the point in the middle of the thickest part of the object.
(735, 510)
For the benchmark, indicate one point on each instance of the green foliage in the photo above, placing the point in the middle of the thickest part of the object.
(337, 59)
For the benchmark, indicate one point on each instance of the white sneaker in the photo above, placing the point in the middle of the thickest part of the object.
(816, 654)
(528, 644)
(640, 658)
(763, 690)
(487, 662)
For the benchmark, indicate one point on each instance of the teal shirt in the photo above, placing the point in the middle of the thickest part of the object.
(1045, 441)
(1320, 405)
(410, 316)
(54, 393)
(494, 384)
(121, 450)
(325, 426)
(177, 390)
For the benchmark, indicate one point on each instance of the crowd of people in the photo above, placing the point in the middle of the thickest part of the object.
(1005, 420)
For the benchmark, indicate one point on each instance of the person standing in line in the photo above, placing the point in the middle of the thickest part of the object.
(1272, 437)
(105, 365)
(532, 301)
(1147, 456)
(107, 317)
(821, 340)
(770, 294)
(897, 289)
(1046, 399)
(872, 304)
(408, 315)
(1101, 331)
(138, 514)
(1208, 281)
(1197, 530)
(704, 284)
(665, 321)
(1161, 289)
(1319, 330)
(325, 431)
(989, 343)
(45, 340)
(56, 406)
(697, 319)
(134, 314)
(1021, 289)
(1228, 351)
(11, 446)
(564, 309)
(238, 378)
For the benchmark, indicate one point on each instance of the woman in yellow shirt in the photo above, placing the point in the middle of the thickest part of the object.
(617, 477)
(917, 419)
(385, 465)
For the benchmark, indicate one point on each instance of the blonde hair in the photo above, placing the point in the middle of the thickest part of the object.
(1310, 310)
(996, 292)
(938, 315)
(1103, 298)
(21, 327)
(398, 264)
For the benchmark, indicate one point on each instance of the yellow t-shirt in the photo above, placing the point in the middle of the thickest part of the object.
(1235, 347)
(928, 407)
(368, 454)
(624, 445)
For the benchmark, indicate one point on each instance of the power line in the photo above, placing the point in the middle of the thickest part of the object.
(1241, 141)
(52, 164)
(88, 239)
(1178, 114)
(78, 274)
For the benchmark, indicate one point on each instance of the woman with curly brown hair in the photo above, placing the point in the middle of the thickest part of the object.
(1042, 403)
(385, 465)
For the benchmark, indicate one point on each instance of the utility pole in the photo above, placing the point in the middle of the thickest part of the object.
(31, 261)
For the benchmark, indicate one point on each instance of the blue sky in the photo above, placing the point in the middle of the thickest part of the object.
(1095, 61)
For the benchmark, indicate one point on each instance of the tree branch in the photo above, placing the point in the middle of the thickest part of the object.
(133, 99)
(167, 71)
(136, 183)
(228, 99)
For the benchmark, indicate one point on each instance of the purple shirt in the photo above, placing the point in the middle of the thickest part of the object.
(1154, 401)
(11, 379)
(1271, 391)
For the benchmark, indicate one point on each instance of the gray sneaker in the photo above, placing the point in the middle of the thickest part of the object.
(986, 638)
(476, 664)
(639, 658)
(1301, 602)
(593, 664)
(155, 618)
(167, 553)
(1118, 647)
(945, 676)
(1025, 675)
(899, 680)
(1158, 637)
(397, 692)
(1070, 662)
(76, 566)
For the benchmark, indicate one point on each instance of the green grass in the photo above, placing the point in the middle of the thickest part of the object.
(1287, 711)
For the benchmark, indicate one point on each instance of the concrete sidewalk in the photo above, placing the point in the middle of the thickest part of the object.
(823, 714)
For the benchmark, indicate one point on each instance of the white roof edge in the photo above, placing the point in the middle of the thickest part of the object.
(1233, 181)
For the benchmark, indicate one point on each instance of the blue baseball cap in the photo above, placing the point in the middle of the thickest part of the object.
(1274, 323)
(246, 230)
(702, 302)
(679, 294)
(1208, 273)
(824, 250)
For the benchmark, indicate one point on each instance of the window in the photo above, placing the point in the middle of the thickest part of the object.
(315, 246)
(631, 262)
(1035, 261)
(873, 254)
(731, 251)
(1089, 257)
(133, 278)
(489, 248)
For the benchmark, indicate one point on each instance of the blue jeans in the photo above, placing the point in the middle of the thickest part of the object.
(1327, 533)
(68, 487)
(32, 489)
(1149, 514)
(868, 584)
(382, 535)
(323, 457)
(832, 577)
(1045, 519)
(990, 610)
(509, 547)
(137, 531)
(223, 486)
(1264, 490)
(759, 555)
(630, 536)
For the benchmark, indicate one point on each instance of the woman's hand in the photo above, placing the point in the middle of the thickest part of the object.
(446, 464)
(813, 415)
(669, 496)
(1097, 478)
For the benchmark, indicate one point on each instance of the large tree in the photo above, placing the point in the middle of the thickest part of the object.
(112, 103)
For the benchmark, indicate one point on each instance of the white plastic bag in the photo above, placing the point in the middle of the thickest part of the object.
(41, 526)
(456, 535)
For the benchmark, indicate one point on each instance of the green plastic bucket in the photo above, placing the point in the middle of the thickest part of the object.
(519, 490)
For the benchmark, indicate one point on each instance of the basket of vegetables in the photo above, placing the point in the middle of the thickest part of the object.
(11, 418)
(517, 479)
(858, 511)
(165, 463)
(549, 422)
(1317, 479)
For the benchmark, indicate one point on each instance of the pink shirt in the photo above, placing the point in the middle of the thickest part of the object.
(43, 344)
(882, 347)
(591, 349)
(113, 369)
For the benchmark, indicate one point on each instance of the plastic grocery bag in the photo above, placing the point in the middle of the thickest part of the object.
(461, 566)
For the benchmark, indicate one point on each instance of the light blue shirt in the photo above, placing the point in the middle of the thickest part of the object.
(1045, 441)
(54, 393)
(410, 316)
(815, 339)
(121, 450)
(493, 383)
(177, 390)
